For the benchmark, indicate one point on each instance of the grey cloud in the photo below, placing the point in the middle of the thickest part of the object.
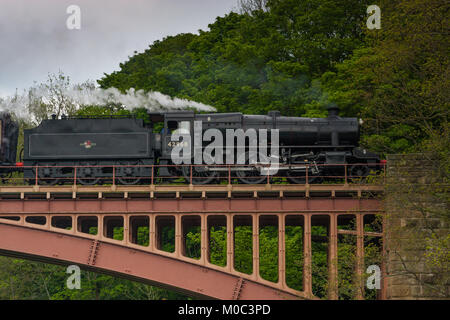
(34, 40)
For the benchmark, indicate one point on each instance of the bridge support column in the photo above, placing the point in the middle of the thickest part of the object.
(332, 259)
(126, 235)
(204, 245)
(307, 270)
(255, 223)
(230, 243)
(100, 226)
(178, 235)
(281, 251)
(152, 232)
(360, 256)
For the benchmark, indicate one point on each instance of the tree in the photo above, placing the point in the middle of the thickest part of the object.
(252, 63)
(51, 97)
(399, 83)
(248, 6)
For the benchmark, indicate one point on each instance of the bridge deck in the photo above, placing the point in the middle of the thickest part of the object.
(281, 190)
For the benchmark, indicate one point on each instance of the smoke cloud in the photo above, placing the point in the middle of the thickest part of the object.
(86, 95)
(153, 101)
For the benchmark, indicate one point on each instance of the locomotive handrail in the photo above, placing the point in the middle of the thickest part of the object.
(119, 116)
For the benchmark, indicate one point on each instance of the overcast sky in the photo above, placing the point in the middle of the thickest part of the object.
(34, 38)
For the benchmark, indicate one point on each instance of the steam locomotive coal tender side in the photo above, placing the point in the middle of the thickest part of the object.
(308, 147)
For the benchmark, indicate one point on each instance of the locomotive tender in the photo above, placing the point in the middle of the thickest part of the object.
(308, 148)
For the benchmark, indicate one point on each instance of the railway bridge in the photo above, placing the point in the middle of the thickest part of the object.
(54, 224)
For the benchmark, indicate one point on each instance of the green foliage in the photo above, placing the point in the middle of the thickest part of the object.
(319, 261)
(143, 237)
(92, 111)
(93, 230)
(25, 280)
(168, 238)
(438, 252)
(218, 246)
(268, 253)
(251, 63)
(193, 242)
(399, 83)
(111, 110)
(118, 233)
(243, 244)
(294, 257)
(372, 256)
(347, 281)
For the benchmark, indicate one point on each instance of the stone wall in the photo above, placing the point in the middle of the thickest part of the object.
(416, 229)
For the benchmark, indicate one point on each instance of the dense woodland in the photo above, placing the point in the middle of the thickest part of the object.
(298, 57)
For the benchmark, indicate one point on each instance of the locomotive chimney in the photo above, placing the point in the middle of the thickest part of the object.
(333, 111)
(274, 115)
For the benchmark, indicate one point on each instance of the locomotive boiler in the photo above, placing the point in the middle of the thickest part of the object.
(102, 149)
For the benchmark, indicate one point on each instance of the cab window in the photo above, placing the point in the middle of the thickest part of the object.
(182, 127)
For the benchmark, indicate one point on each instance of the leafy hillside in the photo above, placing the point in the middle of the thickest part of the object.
(252, 63)
(299, 56)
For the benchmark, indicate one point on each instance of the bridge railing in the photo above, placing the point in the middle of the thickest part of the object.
(132, 174)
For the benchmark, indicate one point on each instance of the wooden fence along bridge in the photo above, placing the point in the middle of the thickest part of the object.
(54, 224)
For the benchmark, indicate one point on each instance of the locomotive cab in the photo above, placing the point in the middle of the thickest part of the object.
(164, 125)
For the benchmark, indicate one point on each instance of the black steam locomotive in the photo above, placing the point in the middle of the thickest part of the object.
(124, 149)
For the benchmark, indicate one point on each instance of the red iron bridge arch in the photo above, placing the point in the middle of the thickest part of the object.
(51, 224)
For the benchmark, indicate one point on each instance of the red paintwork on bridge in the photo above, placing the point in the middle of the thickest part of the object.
(198, 277)
(130, 263)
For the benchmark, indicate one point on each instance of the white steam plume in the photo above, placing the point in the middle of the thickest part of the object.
(153, 101)
(83, 95)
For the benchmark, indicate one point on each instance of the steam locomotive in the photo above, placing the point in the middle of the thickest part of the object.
(98, 150)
